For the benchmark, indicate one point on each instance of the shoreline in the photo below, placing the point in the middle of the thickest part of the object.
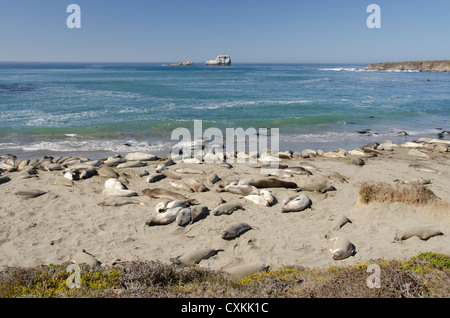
(54, 227)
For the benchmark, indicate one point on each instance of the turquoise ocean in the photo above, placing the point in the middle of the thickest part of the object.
(123, 107)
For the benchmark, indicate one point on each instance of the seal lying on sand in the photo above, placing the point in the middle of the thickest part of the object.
(296, 203)
(29, 193)
(243, 270)
(163, 193)
(424, 168)
(235, 230)
(194, 257)
(423, 232)
(227, 208)
(343, 248)
(273, 183)
(164, 218)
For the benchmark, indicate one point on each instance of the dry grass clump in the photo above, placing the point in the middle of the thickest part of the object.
(383, 192)
(425, 275)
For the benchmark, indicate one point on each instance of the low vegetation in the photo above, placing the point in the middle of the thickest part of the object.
(426, 275)
(383, 192)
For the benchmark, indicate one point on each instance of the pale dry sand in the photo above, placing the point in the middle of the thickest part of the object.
(50, 228)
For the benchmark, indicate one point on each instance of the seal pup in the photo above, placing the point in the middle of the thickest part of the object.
(194, 257)
(257, 199)
(268, 196)
(320, 186)
(198, 212)
(164, 218)
(415, 181)
(243, 190)
(195, 185)
(155, 177)
(243, 270)
(190, 171)
(227, 208)
(4, 179)
(27, 193)
(420, 167)
(343, 248)
(339, 221)
(114, 187)
(172, 175)
(273, 183)
(157, 193)
(83, 257)
(183, 217)
(181, 185)
(298, 170)
(296, 203)
(118, 202)
(422, 232)
(235, 229)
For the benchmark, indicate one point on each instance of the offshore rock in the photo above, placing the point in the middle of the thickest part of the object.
(221, 60)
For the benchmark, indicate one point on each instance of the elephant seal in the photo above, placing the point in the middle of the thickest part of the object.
(183, 217)
(194, 257)
(172, 175)
(108, 172)
(4, 179)
(195, 185)
(268, 196)
(114, 187)
(163, 218)
(343, 248)
(29, 193)
(296, 203)
(257, 199)
(83, 257)
(339, 221)
(198, 212)
(118, 202)
(423, 232)
(227, 208)
(234, 230)
(321, 186)
(181, 185)
(190, 171)
(273, 183)
(298, 170)
(243, 270)
(155, 177)
(424, 168)
(416, 181)
(243, 189)
(163, 193)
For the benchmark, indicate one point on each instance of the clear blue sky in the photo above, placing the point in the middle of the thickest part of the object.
(327, 31)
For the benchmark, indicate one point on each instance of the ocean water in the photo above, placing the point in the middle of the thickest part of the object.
(101, 108)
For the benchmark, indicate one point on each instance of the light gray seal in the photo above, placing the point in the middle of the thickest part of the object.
(422, 232)
(195, 257)
(163, 218)
(243, 189)
(343, 248)
(29, 193)
(163, 193)
(296, 203)
(234, 230)
(298, 170)
(243, 270)
(227, 208)
(183, 217)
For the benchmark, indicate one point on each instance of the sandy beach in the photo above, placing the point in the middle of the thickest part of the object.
(53, 227)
